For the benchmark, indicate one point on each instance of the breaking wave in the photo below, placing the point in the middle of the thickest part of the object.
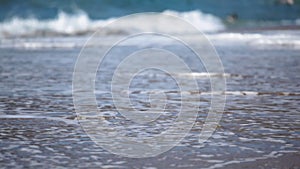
(80, 23)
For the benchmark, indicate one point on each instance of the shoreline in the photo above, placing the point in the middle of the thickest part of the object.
(262, 29)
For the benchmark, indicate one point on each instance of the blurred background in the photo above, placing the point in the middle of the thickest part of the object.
(32, 17)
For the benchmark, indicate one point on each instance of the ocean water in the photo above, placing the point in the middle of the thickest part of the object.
(39, 48)
(259, 127)
(31, 18)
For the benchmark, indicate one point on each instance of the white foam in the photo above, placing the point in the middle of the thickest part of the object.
(203, 22)
(272, 154)
(67, 121)
(203, 75)
(63, 24)
(70, 24)
(263, 40)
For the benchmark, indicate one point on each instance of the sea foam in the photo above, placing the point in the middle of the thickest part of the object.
(80, 23)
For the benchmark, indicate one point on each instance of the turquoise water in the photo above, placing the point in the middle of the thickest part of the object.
(256, 10)
(40, 18)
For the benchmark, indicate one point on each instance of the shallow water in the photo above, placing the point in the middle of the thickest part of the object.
(259, 128)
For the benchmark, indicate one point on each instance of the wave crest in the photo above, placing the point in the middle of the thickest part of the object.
(80, 23)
